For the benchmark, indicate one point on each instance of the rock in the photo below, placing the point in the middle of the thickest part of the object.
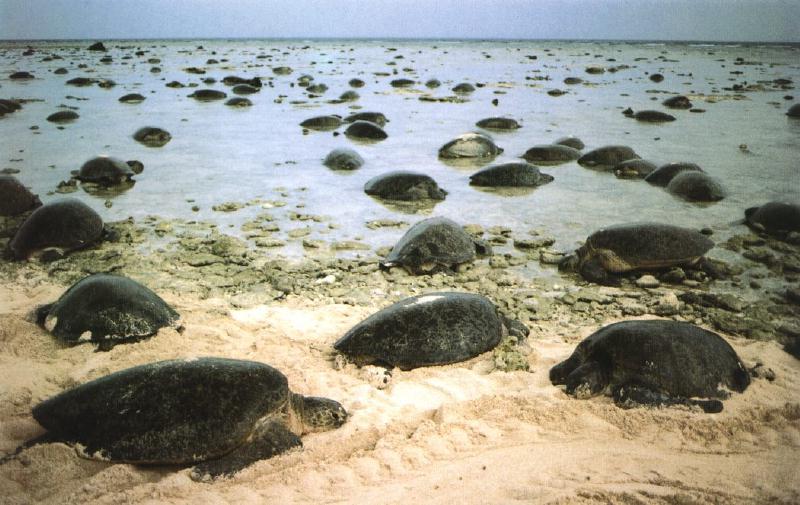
(647, 281)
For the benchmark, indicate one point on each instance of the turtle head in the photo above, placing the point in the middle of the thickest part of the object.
(319, 414)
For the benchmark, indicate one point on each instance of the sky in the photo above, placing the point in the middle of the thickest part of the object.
(710, 20)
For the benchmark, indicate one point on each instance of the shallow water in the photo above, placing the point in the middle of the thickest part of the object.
(220, 154)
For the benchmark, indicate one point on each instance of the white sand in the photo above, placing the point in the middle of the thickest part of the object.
(452, 434)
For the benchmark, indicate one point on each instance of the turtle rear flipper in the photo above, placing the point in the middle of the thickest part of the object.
(270, 440)
(630, 396)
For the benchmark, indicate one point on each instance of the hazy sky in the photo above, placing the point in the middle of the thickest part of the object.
(740, 20)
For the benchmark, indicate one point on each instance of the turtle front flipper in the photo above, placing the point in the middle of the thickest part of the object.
(630, 396)
(587, 380)
(271, 439)
(592, 270)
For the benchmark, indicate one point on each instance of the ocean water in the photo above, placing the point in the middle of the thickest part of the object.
(220, 154)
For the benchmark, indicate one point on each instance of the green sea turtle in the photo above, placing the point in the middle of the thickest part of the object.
(356, 83)
(322, 123)
(571, 141)
(132, 98)
(551, 154)
(653, 116)
(636, 246)
(15, 199)
(8, 106)
(105, 171)
(426, 330)
(498, 123)
(233, 80)
(513, 174)
(63, 116)
(794, 110)
(81, 81)
(606, 157)
(634, 169)
(239, 101)
(665, 173)
(208, 95)
(404, 185)
(373, 117)
(21, 75)
(66, 224)
(107, 310)
(470, 145)
(244, 89)
(402, 83)
(220, 415)
(282, 70)
(696, 187)
(432, 83)
(774, 218)
(365, 130)
(655, 363)
(463, 88)
(349, 96)
(677, 102)
(434, 244)
(343, 158)
(152, 136)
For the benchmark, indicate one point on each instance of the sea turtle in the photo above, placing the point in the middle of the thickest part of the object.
(373, 117)
(282, 70)
(653, 362)
(432, 83)
(656, 77)
(356, 83)
(132, 98)
(218, 414)
(318, 88)
(152, 136)
(571, 141)
(7, 106)
(434, 244)
(663, 174)
(106, 309)
(426, 330)
(67, 224)
(208, 95)
(405, 186)
(97, 46)
(794, 110)
(636, 246)
(21, 75)
(774, 218)
(81, 81)
(343, 158)
(349, 96)
(498, 123)
(365, 130)
(513, 174)
(322, 123)
(653, 116)
(551, 154)
(105, 171)
(233, 80)
(239, 101)
(15, 198)
(245, 89)
(463, 88)
(63, 116)
(572, 80)
(606, 157)
(634, 169)
(402, 83)
(696, 187)
(470, 145)
(677, 102)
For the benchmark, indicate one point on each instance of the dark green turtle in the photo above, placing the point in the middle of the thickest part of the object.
(365, 130)
(606, 157)
(404, 185)
(434, 244)
(208, 95)
(132, 98)
(794, 111)
(63, 116)
(463, 88)
(81, 81)
(245, 89)
(634, 169)
(220, 415)
(677, 102)
(239, 101)
(654, 363)
(373, 117)
(637, 246)
(105, 171)
(470, 145)
(349, 96)
(322, 123)
(432, 83)
(107, 310)
(8, 106)
(774, 218)
(665, 173)
(498, 123)
(426, 330)
(551, 154)
(571, 141)
(233, 80)
(653, 116)
(402, 83)
(152, 136)
(513, 174)
(356, 83)
(343, 159)
(696, 187)
(21, 76)
(15, 199)
(66, 224)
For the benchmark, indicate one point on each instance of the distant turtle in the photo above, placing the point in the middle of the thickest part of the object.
(67, 224)
(434, 244)
(7, 106)
(208, 95)
(322, 123)
(570, 141)
(21, 75)
(606, 157)
(513, 174)
(365, 130)
(696, 187)
(63, 116)
(463, 88)
(432, 83)
(81, 81)
(343, 159)
(638, 246)
(634, 169)
(426, 330)
(404, 185)
(132, 98)
(233, 80)
(794, 111)
(572, 80)
(15, 199)
(282, 70)
(663, 174)
(239, 101)
(402, 83)
(318, 88)
(107, 310)
(349, 96)
(373, 117)
(356, 83)
(498, 123)
(774, 218)
(656, 77)
(653, 116)
(654, 362)
(677, 102)
(97, 46)
(470, 145)
(152, 136)
(105, 171)
(220, 415)
(245, 89)
(551, 154)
